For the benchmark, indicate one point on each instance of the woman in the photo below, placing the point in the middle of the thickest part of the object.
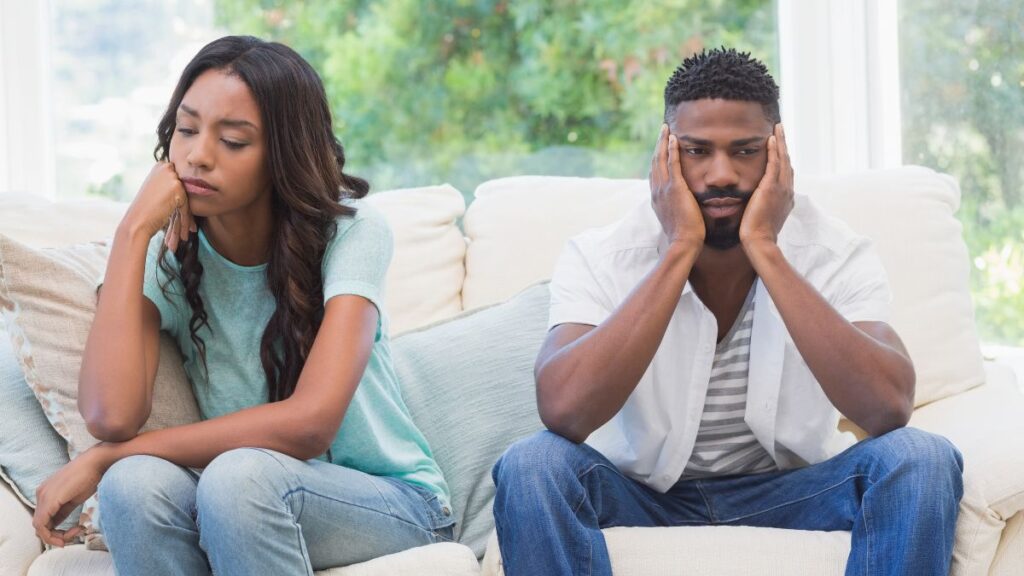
(252, 250)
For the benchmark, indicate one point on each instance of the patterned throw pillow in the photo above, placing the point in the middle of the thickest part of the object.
(48, 300)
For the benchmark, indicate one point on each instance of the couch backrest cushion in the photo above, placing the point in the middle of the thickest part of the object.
(468, 383)
(426, 273)
(38, 222)
(518, 226)
(424, 281)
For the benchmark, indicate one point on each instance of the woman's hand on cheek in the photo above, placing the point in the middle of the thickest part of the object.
(161, 201)
(61, 493)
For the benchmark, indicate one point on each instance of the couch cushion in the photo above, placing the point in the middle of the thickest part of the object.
(18, 543)
(30, 450)
(468, 383)
(48, 299)
(446, 559)
(518, 226)
(425, 277)
(1010, 556)
(714, 551)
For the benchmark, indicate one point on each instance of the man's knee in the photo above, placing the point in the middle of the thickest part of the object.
(542, 456)
(929, 459)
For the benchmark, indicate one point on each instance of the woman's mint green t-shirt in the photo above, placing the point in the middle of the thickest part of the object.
(377, 435)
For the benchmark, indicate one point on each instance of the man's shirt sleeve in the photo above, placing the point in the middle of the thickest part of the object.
(861, 286)
(576, 296)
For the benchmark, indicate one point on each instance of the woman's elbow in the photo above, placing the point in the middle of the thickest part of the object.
(111, 428)
(312, 441)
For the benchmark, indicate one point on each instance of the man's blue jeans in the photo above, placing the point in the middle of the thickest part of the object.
(254, 512)
(898, 494)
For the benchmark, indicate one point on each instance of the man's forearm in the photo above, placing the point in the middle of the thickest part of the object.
(588, 381)
(868, 381)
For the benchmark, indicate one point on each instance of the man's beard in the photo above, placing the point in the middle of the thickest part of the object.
(723, 233)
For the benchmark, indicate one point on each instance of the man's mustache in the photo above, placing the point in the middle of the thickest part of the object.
(714, 192)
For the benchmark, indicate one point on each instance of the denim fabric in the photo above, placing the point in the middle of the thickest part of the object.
(255, 511)
(898, 494)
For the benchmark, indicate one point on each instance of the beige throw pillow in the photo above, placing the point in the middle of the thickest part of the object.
(48, 300)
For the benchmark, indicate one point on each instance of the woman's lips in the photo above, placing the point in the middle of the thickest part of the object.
(722, 207)
(196, 187)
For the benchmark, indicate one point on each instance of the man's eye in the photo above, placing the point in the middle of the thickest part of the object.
(695, 151)
(747, 151)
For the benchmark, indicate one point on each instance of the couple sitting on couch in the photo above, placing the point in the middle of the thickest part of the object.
(702, 351)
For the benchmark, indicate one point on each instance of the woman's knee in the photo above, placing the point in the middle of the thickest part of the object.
(140, 486)
(238, 481)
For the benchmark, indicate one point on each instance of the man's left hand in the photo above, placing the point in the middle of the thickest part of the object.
(772, 201)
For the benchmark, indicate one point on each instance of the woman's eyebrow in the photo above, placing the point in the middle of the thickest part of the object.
(232, 122)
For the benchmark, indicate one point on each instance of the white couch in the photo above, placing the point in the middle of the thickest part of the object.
(511, 236)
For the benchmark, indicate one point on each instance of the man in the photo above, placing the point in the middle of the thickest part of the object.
(704, 347)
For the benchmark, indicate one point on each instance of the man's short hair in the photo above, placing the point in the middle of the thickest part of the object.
(723, 73)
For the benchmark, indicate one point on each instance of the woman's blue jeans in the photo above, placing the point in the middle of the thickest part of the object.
(898, 494)
(254, 511)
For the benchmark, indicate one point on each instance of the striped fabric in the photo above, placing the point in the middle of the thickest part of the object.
(725, 445)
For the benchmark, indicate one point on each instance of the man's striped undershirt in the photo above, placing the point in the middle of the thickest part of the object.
(725, 445)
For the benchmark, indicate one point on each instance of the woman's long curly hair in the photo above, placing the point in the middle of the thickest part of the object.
(304, 163)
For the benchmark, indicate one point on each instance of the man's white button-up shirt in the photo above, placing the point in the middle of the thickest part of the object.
(651, 438)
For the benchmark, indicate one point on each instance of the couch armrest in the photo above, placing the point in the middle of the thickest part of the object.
(19, 546)
(987, 425)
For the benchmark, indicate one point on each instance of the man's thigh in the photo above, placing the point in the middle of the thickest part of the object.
(823, 496)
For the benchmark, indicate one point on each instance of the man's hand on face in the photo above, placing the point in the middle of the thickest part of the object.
(673, 202)
(772, 201)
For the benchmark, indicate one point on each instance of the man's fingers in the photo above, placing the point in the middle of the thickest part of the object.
(786, 165)
(675, 168)
(771, 172)
(658, 173)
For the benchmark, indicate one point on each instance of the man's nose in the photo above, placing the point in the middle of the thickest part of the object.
(721, 172)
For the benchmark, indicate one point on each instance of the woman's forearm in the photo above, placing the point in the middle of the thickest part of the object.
(283, 426)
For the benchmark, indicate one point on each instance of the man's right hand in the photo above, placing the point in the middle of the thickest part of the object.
(677, 209)
(161, 201)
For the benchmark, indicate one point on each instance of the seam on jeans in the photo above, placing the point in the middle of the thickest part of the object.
(292, 475)
(791, 502)
(867, 539)
(617, 473)
(367, 508)
(707, 503)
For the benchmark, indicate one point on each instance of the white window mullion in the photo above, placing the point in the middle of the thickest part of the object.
(840, 84)
(26, 136)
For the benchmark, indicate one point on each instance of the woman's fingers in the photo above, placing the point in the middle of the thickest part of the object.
(173, 232)
(186, 223)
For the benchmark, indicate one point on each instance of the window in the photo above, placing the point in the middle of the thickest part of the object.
(422, 92)
(114, 65)
(963, 113)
